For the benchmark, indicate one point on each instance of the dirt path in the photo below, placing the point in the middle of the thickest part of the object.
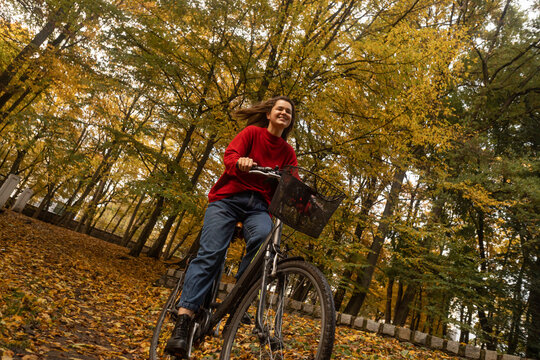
(70, 296)
(64, 295)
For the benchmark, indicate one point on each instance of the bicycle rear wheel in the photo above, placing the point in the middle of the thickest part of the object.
(298, 318)
(165, 325)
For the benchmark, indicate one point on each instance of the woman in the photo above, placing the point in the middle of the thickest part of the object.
(236, 196)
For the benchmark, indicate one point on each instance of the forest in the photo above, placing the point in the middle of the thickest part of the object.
(425, 113)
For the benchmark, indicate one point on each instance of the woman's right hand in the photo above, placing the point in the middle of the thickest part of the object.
(245, 164)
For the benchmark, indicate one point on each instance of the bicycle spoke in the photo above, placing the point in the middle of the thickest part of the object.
(295, 321)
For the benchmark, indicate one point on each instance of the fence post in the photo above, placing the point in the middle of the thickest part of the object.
(7, 188)
(22, 199)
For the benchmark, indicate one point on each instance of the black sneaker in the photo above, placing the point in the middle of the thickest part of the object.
(179, 343)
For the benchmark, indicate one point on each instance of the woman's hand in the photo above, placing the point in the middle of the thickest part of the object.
(245, 164)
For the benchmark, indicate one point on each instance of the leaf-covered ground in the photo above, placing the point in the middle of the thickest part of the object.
(64, 295)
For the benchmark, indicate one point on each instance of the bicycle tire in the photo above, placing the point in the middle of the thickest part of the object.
(165, 325)
(308, 320)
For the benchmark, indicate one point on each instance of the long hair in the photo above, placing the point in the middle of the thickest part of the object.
(256, 114)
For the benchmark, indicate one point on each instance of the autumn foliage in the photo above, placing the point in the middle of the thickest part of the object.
(66, 295)
(425, 113)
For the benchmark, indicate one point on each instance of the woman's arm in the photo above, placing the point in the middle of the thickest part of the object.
(238, 149)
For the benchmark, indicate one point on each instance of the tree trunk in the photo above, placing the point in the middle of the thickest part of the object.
(5, 98)
(166, 254)
(186, 235)
(192, 252)
(445, 314)
(18, 161)
(273, 40)
(101, 170)
(147, 230)
(367, 205)
(16, 103)
(427, 325)
(388, 307)
(484, 320)
(517, 311)
(124, 214)
(156, 249)
(140, 221)
(402, 310)
(149, 227)
(92, 207)
(533, 312)
(465, 318)
(125, 238)
(365, 276)
(121, 217)
(94, 223)
(31, 48)
(114, 217)
(36, 82)
(417, 314)
(110, 195)
(398, 297)
(46, 200)
(6, 156)
(68, 203)
(85, 224)
(301, 290)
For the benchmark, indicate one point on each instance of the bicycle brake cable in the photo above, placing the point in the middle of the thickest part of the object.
(279, 254)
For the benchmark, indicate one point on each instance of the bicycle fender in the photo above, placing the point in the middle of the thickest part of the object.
(295, 258)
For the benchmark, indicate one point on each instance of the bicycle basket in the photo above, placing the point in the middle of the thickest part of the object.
(304, 200)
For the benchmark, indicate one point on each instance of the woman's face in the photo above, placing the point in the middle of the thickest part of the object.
(280, 116)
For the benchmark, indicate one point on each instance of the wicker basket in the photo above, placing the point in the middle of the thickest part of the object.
(304, 200)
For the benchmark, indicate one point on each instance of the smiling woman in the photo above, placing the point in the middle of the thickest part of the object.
(279, 117)
(260, 114)
(236, 196)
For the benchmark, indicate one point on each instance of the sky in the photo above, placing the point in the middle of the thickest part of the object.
(528, 4)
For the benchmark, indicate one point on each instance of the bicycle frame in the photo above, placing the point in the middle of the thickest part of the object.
(275, 243)
(264, 264)
(260, 264)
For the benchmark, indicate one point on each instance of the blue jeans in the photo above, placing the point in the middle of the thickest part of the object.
(218, 228)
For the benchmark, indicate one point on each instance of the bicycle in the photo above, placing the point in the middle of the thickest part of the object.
(281, 307)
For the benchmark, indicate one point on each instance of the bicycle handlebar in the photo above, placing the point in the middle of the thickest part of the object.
(266, 171)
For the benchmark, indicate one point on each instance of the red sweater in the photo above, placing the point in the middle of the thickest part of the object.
(265, 149)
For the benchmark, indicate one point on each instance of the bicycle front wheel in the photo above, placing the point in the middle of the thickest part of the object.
(165, 325)
(298, 319)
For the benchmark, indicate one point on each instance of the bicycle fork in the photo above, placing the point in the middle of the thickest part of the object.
(277, 297)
